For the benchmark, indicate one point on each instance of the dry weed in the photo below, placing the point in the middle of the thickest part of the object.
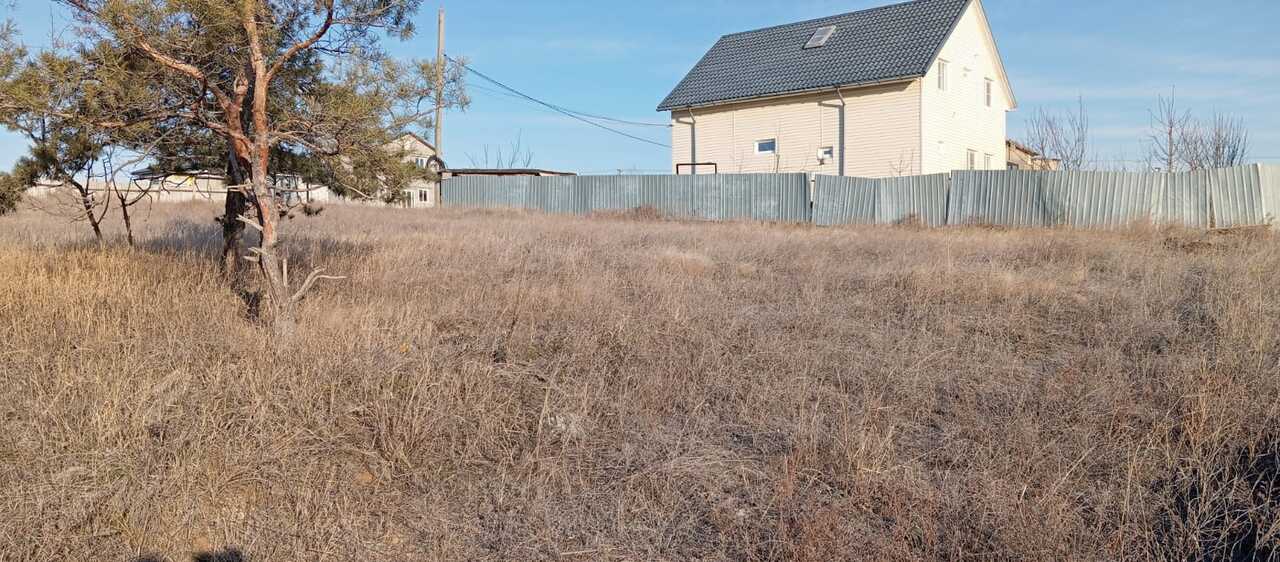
(509, 386)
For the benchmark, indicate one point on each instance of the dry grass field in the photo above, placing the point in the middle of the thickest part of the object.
(509, 386)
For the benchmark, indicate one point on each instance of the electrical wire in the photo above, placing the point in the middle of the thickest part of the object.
(558, 109)
(562, 108)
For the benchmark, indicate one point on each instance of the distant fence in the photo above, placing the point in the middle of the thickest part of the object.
(764, 197)
(1228, 197)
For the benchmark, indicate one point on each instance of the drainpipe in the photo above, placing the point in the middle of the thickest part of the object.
(693, 140)
(841, 149)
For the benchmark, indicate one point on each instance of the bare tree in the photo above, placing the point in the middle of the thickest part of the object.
(132, 193)
(1063, 137)
(1221, 142)
(1178, 141)
(905, 165)
(516, 156)
(1171, 136)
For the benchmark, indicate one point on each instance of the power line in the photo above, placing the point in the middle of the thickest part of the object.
(564, 111)
(561, 108)
(496, 93)
(619, 121)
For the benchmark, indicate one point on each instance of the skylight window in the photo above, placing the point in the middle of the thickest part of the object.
(820, 37)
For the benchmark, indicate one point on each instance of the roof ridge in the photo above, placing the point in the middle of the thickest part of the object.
(834, 16)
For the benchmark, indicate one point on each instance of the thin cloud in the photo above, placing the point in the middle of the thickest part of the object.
(1226, 66)
(1036, 90)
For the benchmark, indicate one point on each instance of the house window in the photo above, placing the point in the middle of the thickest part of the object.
(986, 161)
(942, 74)
(987, 92)
(1013, 167)
(973, 160)
(826, 154)
(424, 196)
(420, 162)
(767, 146)
(820, 37)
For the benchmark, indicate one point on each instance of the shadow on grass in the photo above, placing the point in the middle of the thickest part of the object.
(187, 238)
(225, 555)
(1242, 500)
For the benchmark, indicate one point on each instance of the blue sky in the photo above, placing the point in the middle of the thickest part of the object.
(619, 59)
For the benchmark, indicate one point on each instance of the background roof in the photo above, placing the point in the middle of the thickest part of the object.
(875, 45)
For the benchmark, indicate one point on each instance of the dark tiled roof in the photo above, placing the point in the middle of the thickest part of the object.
(876, 45)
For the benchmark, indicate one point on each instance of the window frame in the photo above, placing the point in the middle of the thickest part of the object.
(943, 81)
(826, 153)
(989, 92)
(987, 160)
(971, 158)
(773, 150)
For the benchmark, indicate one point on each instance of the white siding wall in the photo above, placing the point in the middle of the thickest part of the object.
(957, 120)
(421, 193)
(882, 133)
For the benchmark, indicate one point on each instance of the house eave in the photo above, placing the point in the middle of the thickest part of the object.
(793, 93)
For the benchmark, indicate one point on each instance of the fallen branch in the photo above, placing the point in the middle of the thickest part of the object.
(316, 275)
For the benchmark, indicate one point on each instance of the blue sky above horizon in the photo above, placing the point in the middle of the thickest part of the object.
(621, 59)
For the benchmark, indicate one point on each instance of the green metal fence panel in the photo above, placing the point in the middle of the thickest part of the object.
(1241, 196)
(1007, 198)
(1237, 196)
(843, 200)
(840, 200)
(1078, 199)
(763, 197)
(922, 198)
(1270, 179)
(1101, 199)
(1184, 200)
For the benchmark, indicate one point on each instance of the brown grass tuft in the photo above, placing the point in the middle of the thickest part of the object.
(511, 386)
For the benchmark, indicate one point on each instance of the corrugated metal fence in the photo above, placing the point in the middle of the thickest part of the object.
(840, 200)
(763, 197)
(1078, 199)
(1245, 195)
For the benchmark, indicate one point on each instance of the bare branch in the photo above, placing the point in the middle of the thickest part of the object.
(250, 222)
(1061, 137)
(311, 280)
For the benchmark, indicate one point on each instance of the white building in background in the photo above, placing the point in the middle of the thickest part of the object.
(906, 89)
(421, 193)
(211, 185)
(202, 184)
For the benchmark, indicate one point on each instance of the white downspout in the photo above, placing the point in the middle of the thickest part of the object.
(840, 93)
(693, 141)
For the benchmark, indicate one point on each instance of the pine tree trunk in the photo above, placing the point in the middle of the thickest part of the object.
(236, 205)
(271, 259)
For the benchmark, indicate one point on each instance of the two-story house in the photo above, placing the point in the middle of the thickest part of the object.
(420, 193)
(912, 88)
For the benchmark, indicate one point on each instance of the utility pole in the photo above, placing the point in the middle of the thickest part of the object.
(439, 120)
